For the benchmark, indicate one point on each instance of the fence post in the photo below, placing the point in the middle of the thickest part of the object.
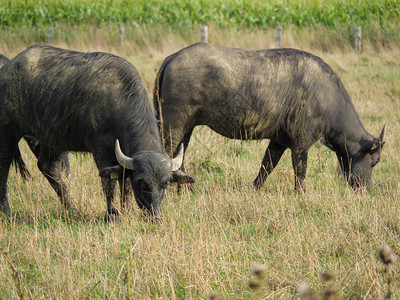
(122, 35)
(50, 35)
(278, 36)
(204, 34)
(357, 39)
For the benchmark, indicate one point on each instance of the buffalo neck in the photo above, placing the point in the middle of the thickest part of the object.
(141, 133)
(344, 130)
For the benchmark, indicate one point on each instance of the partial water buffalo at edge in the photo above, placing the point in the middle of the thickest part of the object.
(288, 96)
(89, 102)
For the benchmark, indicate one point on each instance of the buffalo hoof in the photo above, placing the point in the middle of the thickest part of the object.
(5, 208)
(112, 215)
(257, 185)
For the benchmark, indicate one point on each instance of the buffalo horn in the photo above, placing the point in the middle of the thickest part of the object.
(123, 160)
(382, 133)
(177, 161)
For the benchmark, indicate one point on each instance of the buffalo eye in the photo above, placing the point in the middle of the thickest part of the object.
(164, 184)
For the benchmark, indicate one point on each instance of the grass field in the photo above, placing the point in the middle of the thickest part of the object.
(212, 237)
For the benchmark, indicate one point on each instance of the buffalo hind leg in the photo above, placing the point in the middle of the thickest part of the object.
(271, 158)
(299, 162)
(7, 151)
(50, 164)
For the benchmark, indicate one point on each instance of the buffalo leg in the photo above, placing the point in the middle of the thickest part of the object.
(185, 140)
(299, 161)
(108, 187)
(271, 158)
(6, 156)
(109, 191)
(126, 195)
(50, 164)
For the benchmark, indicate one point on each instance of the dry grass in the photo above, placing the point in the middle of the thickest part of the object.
(213, 235)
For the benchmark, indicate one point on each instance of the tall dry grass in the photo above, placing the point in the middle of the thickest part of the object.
(213, 235)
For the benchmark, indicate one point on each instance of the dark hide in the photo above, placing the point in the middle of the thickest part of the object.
(72, 101)
(33, 144)
(288, 96)
(3, 60)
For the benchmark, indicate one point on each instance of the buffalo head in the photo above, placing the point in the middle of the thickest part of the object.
(364, 160)
(150, 173)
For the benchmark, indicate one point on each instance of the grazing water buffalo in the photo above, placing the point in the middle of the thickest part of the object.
(72, 101)
(288, 96)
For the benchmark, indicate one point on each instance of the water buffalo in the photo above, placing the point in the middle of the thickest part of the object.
(73, 101)
(288, 96)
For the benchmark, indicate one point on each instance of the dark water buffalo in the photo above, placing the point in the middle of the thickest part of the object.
(72, 101)
(288, 96)
(33, 144)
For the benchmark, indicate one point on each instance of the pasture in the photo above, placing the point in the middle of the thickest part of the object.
(214, 234)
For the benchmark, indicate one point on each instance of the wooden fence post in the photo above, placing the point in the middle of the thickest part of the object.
(278, 36)
(50, 35)
(204, 34)
(357, 39)
(122, 35)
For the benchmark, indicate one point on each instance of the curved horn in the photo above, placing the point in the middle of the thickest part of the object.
(382, 133)
(177, 161)
(123, 160)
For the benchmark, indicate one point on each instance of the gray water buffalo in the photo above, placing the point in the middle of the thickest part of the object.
(89, 102)
(288, 96)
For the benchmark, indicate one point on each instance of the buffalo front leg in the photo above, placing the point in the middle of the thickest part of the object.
(126, 194)
(271, 158)
(109, 190)
(51, 165)
(102, 161)
(299, 162)
(173, 139)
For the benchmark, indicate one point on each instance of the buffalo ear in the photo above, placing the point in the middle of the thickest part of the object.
(372, 146)
(181, 178)
(115, 172)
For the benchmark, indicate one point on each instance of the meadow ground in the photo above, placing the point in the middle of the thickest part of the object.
(212, 236)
